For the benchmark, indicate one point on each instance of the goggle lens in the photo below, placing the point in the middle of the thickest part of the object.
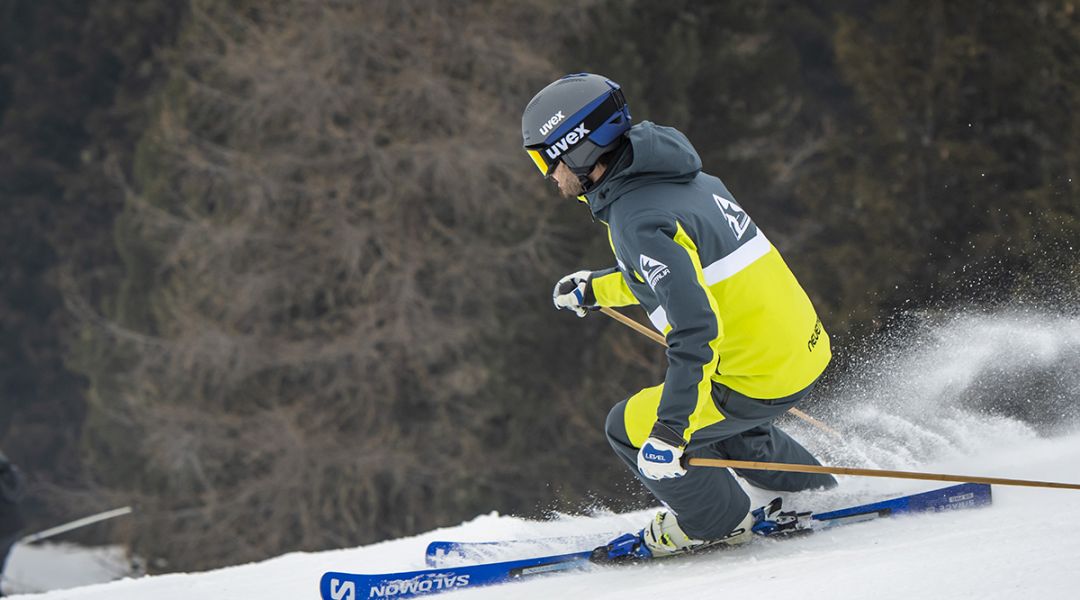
(538, 160)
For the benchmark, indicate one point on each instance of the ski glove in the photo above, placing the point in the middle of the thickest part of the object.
(574, 292)
(660, 457)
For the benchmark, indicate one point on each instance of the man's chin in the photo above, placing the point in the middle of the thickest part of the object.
(573, 192)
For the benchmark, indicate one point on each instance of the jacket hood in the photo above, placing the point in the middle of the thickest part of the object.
(658, 154)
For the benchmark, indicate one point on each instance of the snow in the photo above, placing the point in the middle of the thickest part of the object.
(50, 566)
(1026, 544)
(913, 409)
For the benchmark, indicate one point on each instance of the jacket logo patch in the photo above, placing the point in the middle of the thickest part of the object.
(654, 270)
(736, 216)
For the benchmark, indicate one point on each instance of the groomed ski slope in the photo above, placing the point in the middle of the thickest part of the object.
(908, 410)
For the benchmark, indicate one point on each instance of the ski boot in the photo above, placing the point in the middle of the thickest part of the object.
(662, 538)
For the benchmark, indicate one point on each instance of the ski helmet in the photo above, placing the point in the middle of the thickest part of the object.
(576, 119)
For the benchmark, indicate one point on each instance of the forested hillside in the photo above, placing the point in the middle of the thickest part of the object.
(280, 273)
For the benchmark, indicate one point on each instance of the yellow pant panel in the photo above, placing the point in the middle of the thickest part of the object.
(640, 414)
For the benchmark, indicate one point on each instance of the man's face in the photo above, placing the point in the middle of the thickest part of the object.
(569, 186)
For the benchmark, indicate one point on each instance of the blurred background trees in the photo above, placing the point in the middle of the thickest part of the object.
(279, 272)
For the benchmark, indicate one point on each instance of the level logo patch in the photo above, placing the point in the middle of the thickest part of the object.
(736, 217)
(654, 270)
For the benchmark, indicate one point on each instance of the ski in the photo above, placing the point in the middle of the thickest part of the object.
(349, 586)
(965, 495)
(449, 553)
(954, 497)
(409, 584)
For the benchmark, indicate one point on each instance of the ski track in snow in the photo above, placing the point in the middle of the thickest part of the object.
(911, 410)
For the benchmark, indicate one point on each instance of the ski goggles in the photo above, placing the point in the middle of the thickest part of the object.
(579, 145)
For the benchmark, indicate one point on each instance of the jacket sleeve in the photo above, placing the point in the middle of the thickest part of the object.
(609, 288)
(668, 261)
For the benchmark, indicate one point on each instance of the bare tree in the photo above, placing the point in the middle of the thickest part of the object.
(333, 223)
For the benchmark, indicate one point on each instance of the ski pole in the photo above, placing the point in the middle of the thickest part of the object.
(659, 339)
(632, 324)
(769, 466)
(76, 524)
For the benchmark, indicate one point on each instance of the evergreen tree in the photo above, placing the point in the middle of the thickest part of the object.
(961, 161)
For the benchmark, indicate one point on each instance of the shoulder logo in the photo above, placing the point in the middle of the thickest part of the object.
(654, 270)
(736, 217)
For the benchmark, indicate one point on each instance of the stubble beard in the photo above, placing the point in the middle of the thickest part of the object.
(570, 187)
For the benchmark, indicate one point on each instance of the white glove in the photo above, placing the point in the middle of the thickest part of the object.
(574, 292)
(660, 457)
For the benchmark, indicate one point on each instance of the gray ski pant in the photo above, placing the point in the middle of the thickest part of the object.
(708, 501)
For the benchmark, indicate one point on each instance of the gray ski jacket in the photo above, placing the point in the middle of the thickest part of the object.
(709, 279)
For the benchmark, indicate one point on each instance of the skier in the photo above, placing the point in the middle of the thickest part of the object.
(11, 488)
(744, 341)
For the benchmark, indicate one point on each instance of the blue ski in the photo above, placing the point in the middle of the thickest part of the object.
(443, 553)
(955, 497)
(965, 495)
(349, 586)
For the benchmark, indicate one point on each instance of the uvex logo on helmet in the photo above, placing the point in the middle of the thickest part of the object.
(555, 150)
(551, 123)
